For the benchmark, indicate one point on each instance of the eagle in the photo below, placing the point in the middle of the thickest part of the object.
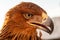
(22, 21)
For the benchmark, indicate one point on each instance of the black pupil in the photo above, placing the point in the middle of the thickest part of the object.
(30, 15)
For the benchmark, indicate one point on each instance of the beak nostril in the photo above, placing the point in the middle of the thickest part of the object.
(44, 19)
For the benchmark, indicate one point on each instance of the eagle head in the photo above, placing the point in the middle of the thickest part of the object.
(22, 21)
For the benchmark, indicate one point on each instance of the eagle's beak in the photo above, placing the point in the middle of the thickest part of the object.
(46, 24)
(49, 26)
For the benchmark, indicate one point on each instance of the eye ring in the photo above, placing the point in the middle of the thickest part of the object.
(27, 15)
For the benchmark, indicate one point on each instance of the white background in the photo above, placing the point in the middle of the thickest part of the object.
(52, 7)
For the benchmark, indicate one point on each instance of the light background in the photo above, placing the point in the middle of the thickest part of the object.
(52, 7)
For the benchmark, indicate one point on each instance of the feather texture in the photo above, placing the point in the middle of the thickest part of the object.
(15, 26)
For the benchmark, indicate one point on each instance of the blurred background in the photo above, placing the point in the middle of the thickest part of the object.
(52, 8)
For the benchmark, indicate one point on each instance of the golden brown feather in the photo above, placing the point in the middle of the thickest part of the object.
(16, 27)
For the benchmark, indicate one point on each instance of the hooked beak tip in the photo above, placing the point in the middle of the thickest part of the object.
(50, 25)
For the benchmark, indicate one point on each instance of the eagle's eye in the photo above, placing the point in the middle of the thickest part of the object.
(27, 15)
